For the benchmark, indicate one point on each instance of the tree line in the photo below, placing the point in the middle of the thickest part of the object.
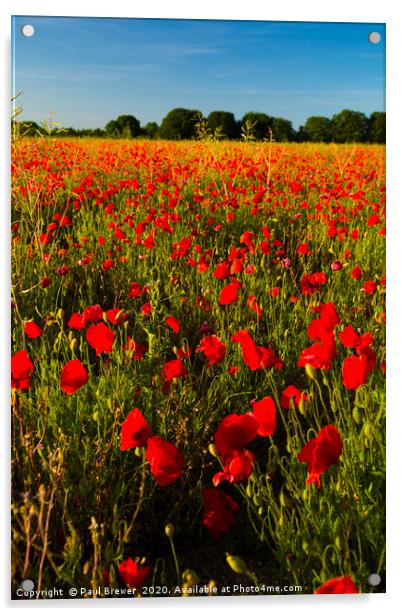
(345, 127)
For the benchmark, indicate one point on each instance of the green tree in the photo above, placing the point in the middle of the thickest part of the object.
(225, 120)
(349, 127)
(318, 128)
(151, 130)
(283, 130)
(179, 123)
(125, 126)
(377, 126)
(261, 123)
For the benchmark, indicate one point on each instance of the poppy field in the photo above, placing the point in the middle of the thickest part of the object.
(198, 367)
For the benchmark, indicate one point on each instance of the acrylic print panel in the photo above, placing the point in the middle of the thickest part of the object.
(198, 308)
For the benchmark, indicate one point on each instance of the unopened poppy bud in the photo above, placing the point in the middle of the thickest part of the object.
(338, 543)
(302, 407)
(212, 450)
(261, 511)
(249, 490)
(86, 567)
(356, 415)
(236, 564)
(310, 371)
(74, 344)
(256, 500)
(70, 335)
(104, 317)
(212, 588)
(169, 530)
(138, 451)
(191, 577)
(283, 500)
(367, 430)
(60, 313)
(305, 546)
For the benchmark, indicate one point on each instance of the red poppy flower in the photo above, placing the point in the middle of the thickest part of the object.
(319, 355)
(356, 272)
(292, 393)
(132, 574)
(173, 369)
(255, 357)
(73, 376)
(238, 466)
(173, 323)
(93, 314)
(235, 431)
(21, 368)
(136, 348)
(77, 321)
(338, 586)
(253, 305)
(356, 368)
(135, 290)
(265, 413)
(213, 349)
(100, 338)
(228, 294)
(116, 316)
(165, 459)
(222, 271)
(349, 338)
(369, 287)
(219, 509)
(32, 330)
(135, 430)
(321, 452)
(310, 283)
(146, 308)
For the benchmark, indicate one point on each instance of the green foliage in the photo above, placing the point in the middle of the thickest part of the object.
(150, 130)
(179, 123)
(282, 130)
(377, 127)
(125, 127)
(261, 123)
(318, 129)
(224, 120)
(349, 127)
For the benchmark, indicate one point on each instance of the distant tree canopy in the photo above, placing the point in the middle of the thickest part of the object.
(349, 127)
(318, 128)
(224, 120)
(125, 126)
(150, 130)
(261, 123)
(179, 124)
(377, 126)
(345, 127)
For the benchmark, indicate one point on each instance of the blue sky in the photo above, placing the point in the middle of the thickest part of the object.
(87, 71)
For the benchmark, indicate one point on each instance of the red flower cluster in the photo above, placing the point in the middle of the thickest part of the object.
(219, 509)
(310, 283)
(73, 376)
(338, 586)
(132, 574)
(321, 452)
(321, 354)
(213, 349)
(165, 460)
(256, 357)
(21, 369)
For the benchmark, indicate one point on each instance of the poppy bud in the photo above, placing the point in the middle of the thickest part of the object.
(190, 577)
(356, 415)
(283, 500)
(367, 430)
(310, 371)
(261, 511)
(212, 587)
(256, 500)
(169, 530)
(302, 408)
(249, 490)
(138, 451)
(70, 335)
(305, 546)
(212, 450)
(74, 344)
(236, 564)
(338, 543)
(60, 313)
(86, 567)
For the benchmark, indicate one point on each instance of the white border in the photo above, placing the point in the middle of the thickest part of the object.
(293, 10)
